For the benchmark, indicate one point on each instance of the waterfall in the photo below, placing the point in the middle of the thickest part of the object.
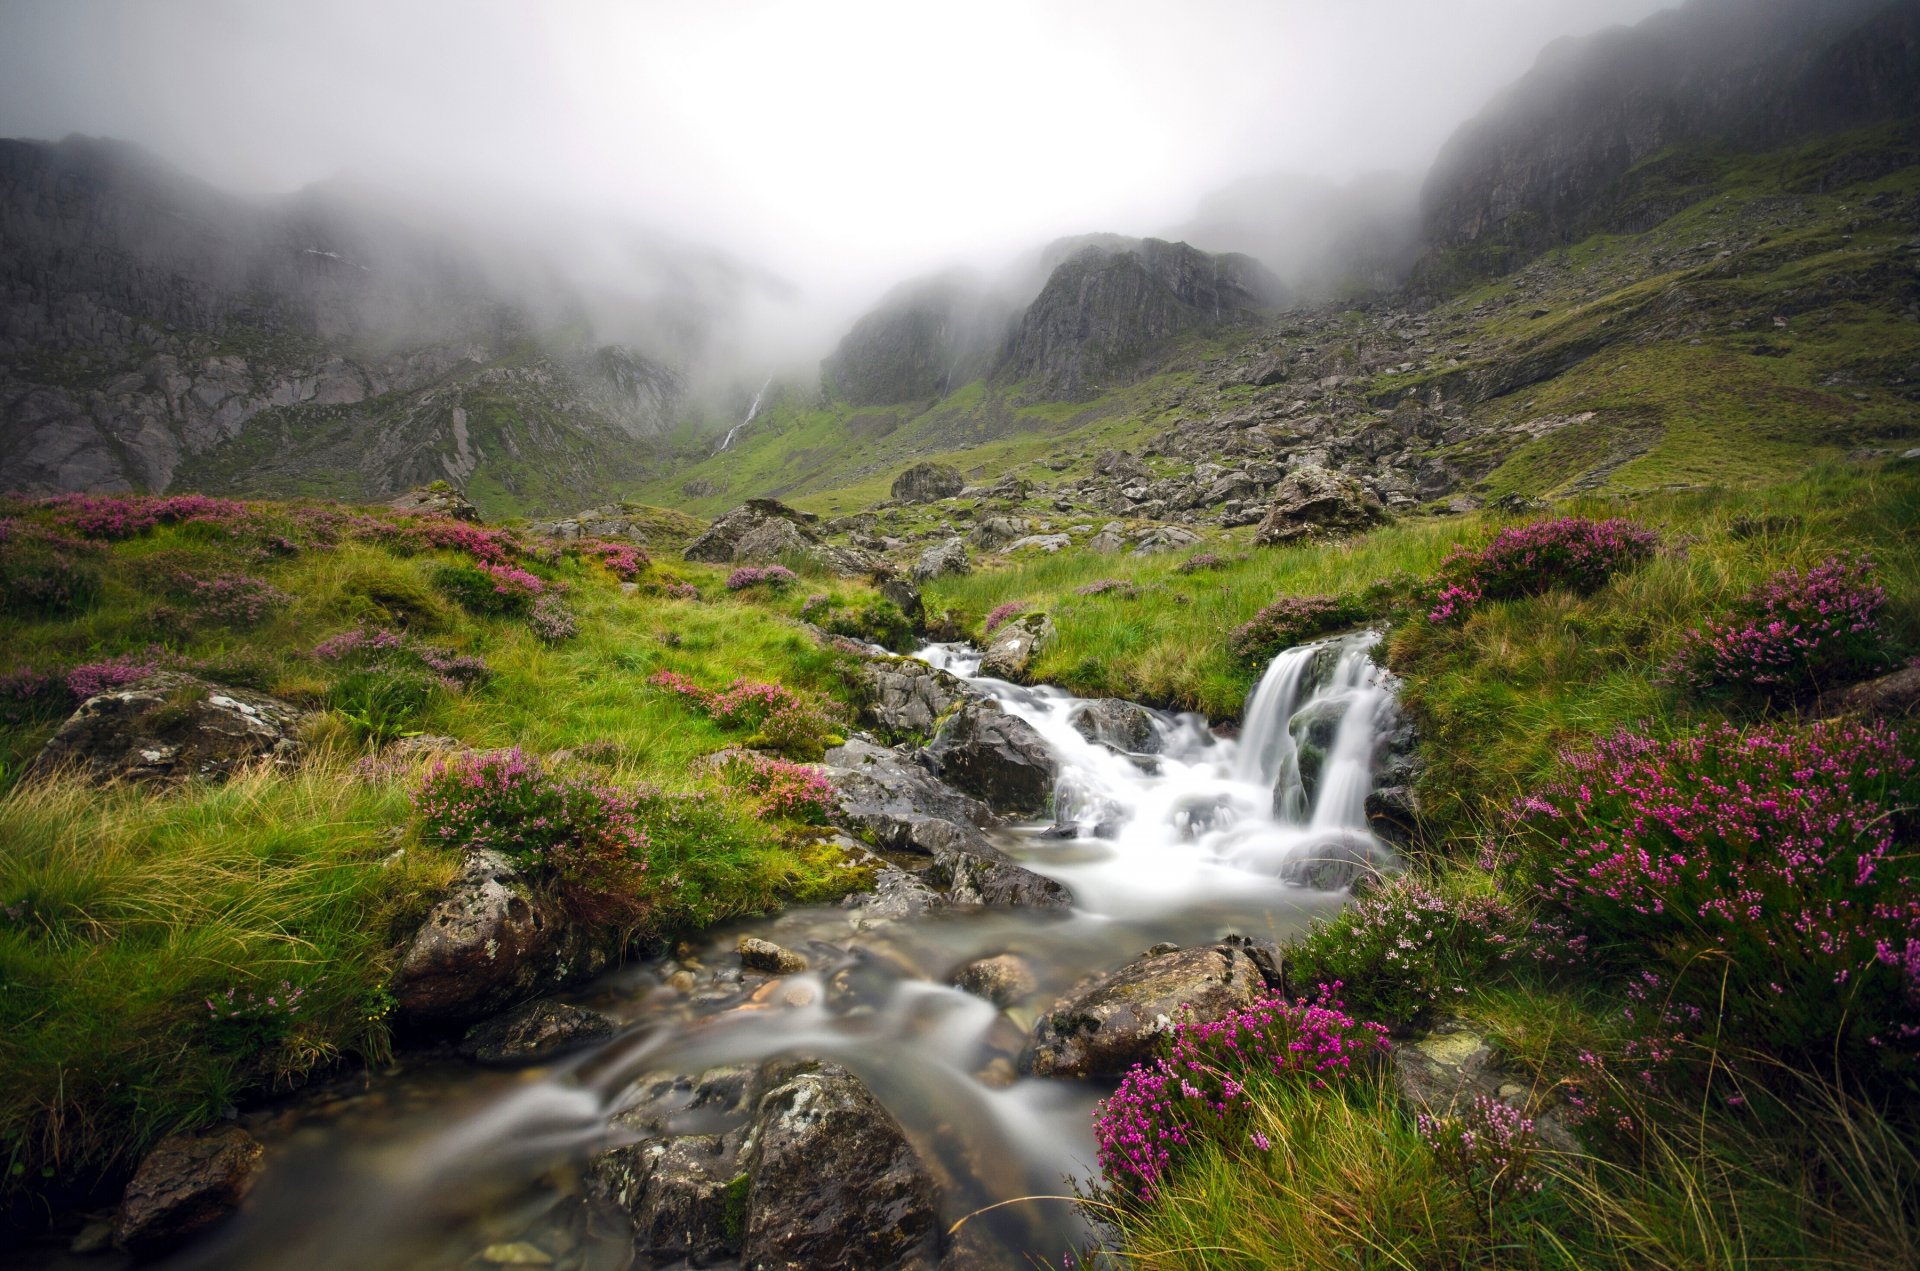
(752, 410)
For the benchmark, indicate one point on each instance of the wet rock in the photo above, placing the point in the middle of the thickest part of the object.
(1895, 696)
(1113, 1021)
(187, 1183)
(765, 956)
(999, 758)
(987, 876)
(1443, 1072)
(1015, 645)
(172, 727)
(903, 699)
(1337, 861)
(1002, 980)
(683, 1195)
(528, 1034)
(1393, 814)
(516, 1253)
(1124, 725)
(438, 499)
(884, 798)
(897, 894)
(904, 595)
(491, 942)
(1314, 502)
(928, 483)
(835, 1186)
(949, 556)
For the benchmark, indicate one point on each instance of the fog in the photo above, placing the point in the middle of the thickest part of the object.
(830, 150)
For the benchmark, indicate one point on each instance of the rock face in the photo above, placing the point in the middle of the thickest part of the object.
(985, 752)
(492, 942)
(903, 699)
(836, 1186)
(534, 1032)
(1113, 1021)
(925, 338)
(1895, 696)
(949, 556)
(1110, 301)
(185, 1185)
(1015, 645)
(1314, 502)
(802, 1168)
(171, 727)
(928, 483)
(1120, 724)
(238, 345)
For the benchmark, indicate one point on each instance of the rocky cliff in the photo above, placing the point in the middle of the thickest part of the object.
(923, 340)
(1579, 145)
(155, 331)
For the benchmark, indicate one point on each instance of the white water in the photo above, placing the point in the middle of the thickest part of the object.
(752, 410)
(1186, 844)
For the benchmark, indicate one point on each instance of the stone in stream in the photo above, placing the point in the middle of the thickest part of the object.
(528, 1034)
(171, 727)
(1337, 860)
(1014, 646)
(882, 796)
(970, 878)
(492, 942)
(903, 699)
(766, 956)
(1110, 1022)
(1123, 725)
(997, 757)
(187, 1183)
(1002, 980)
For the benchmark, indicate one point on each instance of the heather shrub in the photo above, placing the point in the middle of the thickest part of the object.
(1200, 563)
(1293, 620)
(1794, 635)
(625, 560)
(1571, 553)
(769, 578)
(489, 589)
(1403, 949)
(795, 791)
(46, 587)
(27, 694)
(581, 838)
(776, 717)
(1200, 1088)
(1001, 615)
(111, 518)
(552, 621)
(683, 591)
(234, 600)
(1107, 586)
(1766, 868)
(1487, 1150)
(92, 678)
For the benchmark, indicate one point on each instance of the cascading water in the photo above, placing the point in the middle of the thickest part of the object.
(1178, 834)
(752, 410)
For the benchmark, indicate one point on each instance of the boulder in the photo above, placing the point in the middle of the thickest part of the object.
(835, 1186)
(996, 757)
(1895, 696)
(718, 544)
(1002, 980)
(904, 595)
(1110, 1022)
(491, 942)
(886, 799)
(766, 530)
(1163, 538)
(949, 556)
(989, 877)
(1315, 502)
(903, 699)
(769, 958)
(1123, 725)
(187, 1183)
(1337, 861)
(1121, 468)
(172, 727)
(1048, 543)
(994, 531)
(1110, 540)
(1015, 645)
(534, 1032)
(438, 499)
(928, 483)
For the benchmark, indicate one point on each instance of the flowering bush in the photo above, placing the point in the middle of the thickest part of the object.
(1402, 948)
(1106, 585)
(797, 791)
(772, 577)
(552, 621)
(779, 718)
(114, 517)
(248, 1022)
(235, 600)
(1487, 1151)
(1200, 563)
(1292, 620)
(683, 591)
(489, 589)
(444, 533)
(1572, 552)
(1000, 615)
(385, 648)
(103, 677)
(1794, 635)
(626, 560)
(1765, 865)
(46, 586)
(583, 838)
(25, 693)
(1199, 1088)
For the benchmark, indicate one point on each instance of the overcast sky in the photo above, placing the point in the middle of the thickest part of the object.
(841, 144)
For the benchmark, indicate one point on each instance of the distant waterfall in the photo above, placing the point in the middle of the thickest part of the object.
(752, 410)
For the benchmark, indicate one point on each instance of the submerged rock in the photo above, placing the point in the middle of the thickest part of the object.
(834, 1184)
(766, 956)
(531, 1033)
(1110, 1022)
(987, 876)
(1015, 645)
(1002, 980)
(999, 758)
(172, 727)
(187, 1183)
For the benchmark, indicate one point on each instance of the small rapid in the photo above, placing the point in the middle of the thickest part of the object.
(1164, 829)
